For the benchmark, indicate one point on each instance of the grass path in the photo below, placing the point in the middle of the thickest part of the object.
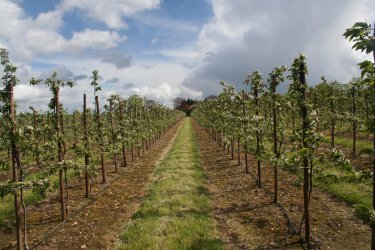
(175, 214)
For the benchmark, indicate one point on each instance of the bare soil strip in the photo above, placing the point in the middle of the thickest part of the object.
(94, 223)
(248, 219)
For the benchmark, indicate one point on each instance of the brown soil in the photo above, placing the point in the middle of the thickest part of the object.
(248, 219)
(97, 222)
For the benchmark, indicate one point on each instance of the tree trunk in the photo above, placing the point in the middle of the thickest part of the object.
(259, 180)
(354, 114)
(64, 155)
(333, 118)
(293, 119)
(373, 161)
(35, 124)
(114, 143)
(121, 113)
(245, 141)
(60, 153)
(74, 129)
(232, 148)
(238, 151)
(275, 139)
(305, 128)
(16, 167)
(101, 146)
(87, 147)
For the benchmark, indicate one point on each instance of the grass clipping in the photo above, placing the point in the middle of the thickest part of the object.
(175, 214)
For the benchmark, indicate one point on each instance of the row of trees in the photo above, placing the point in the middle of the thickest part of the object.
(243, 117)
(58, 143)
(285, 129)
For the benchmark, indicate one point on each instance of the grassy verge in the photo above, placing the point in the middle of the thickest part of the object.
(175, 214)
(347, 186)
(363, 147)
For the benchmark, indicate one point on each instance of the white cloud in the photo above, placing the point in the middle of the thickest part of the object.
(43, 42)
(165, 23)
(242, 36)
(51, 20)
(248, 35)
(181, 54)
(11, 19)
(31, 96)
(39, 41)
(26, 37)
(110, 12)
(165, 93)
(95, 39)
(161, 82)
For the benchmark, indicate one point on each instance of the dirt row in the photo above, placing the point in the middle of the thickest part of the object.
(248, 219)
(97, 222)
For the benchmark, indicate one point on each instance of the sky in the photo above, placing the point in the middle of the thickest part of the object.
(163, 49)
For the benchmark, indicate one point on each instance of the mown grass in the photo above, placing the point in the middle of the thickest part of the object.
(175, 214)
(351, 192)
(362, 147)
(347, 187)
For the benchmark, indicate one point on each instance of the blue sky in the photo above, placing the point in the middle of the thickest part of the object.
(172, 24)
(163, 49)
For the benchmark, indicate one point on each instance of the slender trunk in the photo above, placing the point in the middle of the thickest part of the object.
(333, 118)
(238, 151)
(246, 163)
(373, 162)
(87, 147)
(24, 220)
(131, 129)
(232, 148)
(305, 128)
(64, 155)
(275, 139)
(373, 159)
(63, 132)
(332, 134)
(101, 146)
(74, 129)
(259, 180)
(114, 143)
(354, 114)
(121, 114)
(16, 167)
(245, 141)
(293, 119)
(35, 124)
(60, 153)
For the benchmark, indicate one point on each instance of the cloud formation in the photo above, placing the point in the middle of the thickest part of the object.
(109, 12)
(113, 80)
(27, 37)
(183, 58)
(245, 36)
(165, 93)
(128, 85)
(118, 58)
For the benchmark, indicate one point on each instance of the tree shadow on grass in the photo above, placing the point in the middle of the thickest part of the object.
(207, 244)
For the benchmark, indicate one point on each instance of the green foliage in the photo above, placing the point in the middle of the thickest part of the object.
(360, 34)
(339, 158)
(366, 213)
(94, 82)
